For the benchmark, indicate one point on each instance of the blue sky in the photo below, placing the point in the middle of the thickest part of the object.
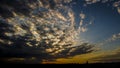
(106, 22)
(104, 30)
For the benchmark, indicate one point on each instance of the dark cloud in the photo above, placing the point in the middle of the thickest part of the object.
(19, 48)
(18, 6)
(37, 28)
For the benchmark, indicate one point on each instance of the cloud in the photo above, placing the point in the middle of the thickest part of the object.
(114, 37)
(117, 5)
(1, 41)
(118, 8)
(109, 56)
(83, 29)
(107, 2)
(91, 1)
(104, 1)
(83, 25)
(81, 22)
(44, 30)
(67, 1)
(96, 1)
(94, 57)
(82, 16)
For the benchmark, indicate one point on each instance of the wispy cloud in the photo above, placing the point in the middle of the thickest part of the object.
(114, 37)
(96, 1)
(67, 1)
(83, 25)
(108, 56)
(91, 1)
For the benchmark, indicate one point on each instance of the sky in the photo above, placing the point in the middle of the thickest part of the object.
(104, 27)
(60, 31)
(105, 19)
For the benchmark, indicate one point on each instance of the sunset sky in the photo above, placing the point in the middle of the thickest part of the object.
(104, 30)
(60, 28)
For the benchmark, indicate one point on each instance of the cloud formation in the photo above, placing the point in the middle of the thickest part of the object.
(97, 1)
(114, 3)
(117, 5)
(46, 29)
(91, 1)
(118, 9)
(110, 56)
(114, 37)
(83, 26)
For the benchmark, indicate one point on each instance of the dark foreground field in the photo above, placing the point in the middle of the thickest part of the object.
(96, 65)
(88, 64)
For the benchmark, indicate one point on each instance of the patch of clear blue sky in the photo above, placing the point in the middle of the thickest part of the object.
(106, 21)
